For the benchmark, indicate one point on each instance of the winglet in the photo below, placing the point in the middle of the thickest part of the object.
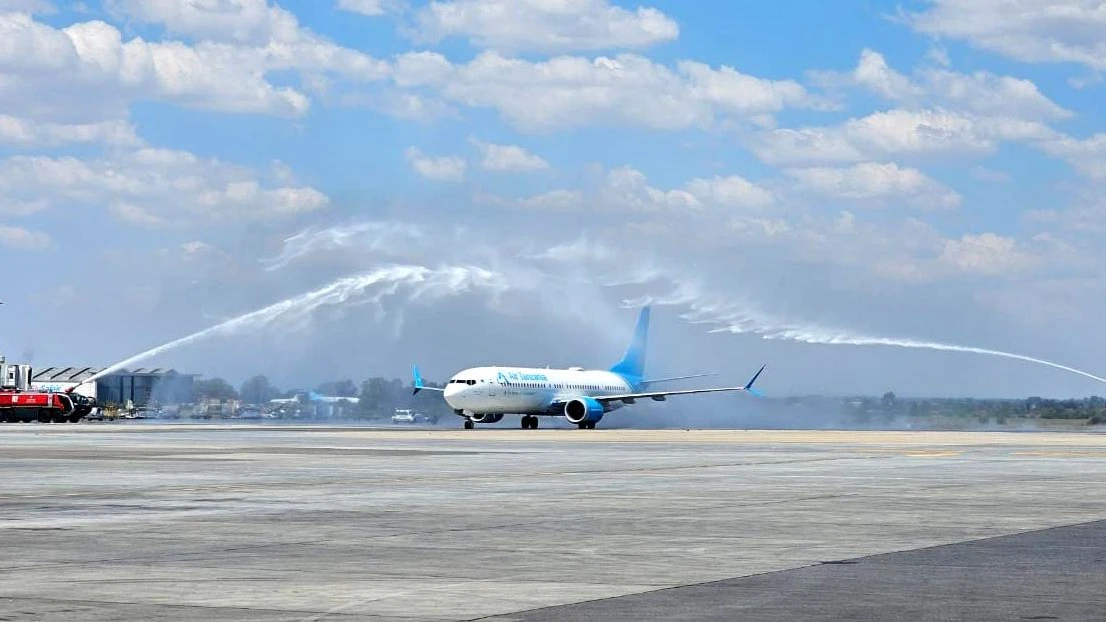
(749, 386)
(418, 380)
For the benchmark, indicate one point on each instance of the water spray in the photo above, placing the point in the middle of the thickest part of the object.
(367, 288)
(735, 319)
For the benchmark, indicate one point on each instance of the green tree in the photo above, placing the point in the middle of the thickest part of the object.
(373, 397)
(214, 389)
(258, 390)
(888, 401)
(340, 388)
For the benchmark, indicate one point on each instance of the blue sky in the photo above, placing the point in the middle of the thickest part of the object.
(793, 172)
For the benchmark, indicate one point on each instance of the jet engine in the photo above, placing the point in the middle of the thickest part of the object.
(486, 418)
(584, 410)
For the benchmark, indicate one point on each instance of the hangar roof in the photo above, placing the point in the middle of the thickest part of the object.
(79, 374)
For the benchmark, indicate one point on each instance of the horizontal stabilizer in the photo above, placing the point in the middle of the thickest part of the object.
(419, 384)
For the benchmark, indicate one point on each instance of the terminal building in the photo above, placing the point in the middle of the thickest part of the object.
(140, 386)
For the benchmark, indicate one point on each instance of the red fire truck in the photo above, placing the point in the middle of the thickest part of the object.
(20, 403)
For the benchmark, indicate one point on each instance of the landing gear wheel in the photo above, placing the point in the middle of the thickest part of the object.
(582, 425)
(526, 422)
(533, 423)
(469, 424)
(74, 418)
(591, 425)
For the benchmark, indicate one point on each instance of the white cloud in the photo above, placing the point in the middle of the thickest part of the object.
(372, 8)
(554, 199)
(990, 175)
(508, 158)
(271, 34)
(543, 26)
(1025, 30)
(1088, 156)
(875, 182)
(731, 191)
(626, 188)
(87, 73)
(984, 254)
(445, 168)
(242, 21)
(572, 91)
(896, 132)
(22, 239)
(32, 7)
(155, 187)
(981, 93)
(629, 188)
(28, 133)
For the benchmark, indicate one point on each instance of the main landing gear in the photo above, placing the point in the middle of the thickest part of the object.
(586, 425)
(529, 422)
(469, 424)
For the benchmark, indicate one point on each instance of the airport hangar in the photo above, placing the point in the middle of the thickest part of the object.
(140, 386)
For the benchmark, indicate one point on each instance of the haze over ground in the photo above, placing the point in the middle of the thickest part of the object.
(495, 179)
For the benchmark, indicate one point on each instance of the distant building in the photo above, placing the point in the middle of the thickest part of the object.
(139, 386)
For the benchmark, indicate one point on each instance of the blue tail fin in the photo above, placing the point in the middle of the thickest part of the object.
(632, 365)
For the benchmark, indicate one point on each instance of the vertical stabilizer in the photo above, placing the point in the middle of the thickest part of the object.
(632, 365)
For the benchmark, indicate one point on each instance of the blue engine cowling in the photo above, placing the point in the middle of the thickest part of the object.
(496, 418)
(584, 410)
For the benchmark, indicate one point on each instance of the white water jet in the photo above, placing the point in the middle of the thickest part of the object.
(367, 288)
(741, 319)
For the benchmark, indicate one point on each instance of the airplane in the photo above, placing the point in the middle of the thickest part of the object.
(583, 397)
(312, 396)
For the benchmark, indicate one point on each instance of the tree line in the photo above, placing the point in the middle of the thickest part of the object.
(377, 397)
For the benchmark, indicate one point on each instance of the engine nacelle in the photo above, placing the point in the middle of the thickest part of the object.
(584, 410)
(487, 418)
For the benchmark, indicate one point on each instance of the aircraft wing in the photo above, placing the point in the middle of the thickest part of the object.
(672, 378)
(661, 395)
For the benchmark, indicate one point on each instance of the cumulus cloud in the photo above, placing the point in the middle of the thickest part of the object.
(872, 182)
(1087, 155)
(543, 26)
(986, 254)
(508, 158)
(155, 187)
(28, 133)
(372, 8)
(625, 188)
(87, 73)
(23, 239)
(32, 7)
(981, 92)
(897, 132)
(573, 91)
(1069, 31)
(444, 168)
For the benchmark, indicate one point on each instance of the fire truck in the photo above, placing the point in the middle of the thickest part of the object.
(20, 403)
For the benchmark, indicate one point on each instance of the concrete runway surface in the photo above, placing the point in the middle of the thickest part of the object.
(250, 522)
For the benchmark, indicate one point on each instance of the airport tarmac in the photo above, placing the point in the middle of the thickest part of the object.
(144, 521)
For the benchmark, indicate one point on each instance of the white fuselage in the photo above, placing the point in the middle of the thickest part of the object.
(526, 390)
